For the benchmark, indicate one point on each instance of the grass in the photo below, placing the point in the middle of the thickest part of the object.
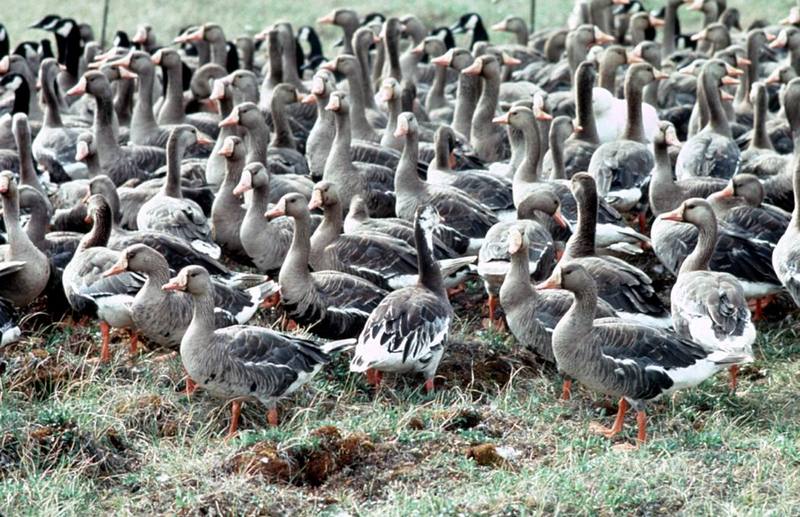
(76, 437)
(247, 17)
(122, 438)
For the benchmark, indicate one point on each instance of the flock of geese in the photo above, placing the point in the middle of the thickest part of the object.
(175, 190)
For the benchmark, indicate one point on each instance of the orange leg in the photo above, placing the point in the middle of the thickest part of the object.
(191, 386)
(374, 377)
(105, 351)
(134, 342)
(272, 417)
(642, 222)
(271, 301)
(734, 377)
(236, 410)
(492, 307)
(452, 291)
(429, 385)
(641, 420)
(566, 389)
(288, 324)
(618, 422)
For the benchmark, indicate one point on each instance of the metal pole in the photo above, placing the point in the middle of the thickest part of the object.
(105, 24)
(533, 15)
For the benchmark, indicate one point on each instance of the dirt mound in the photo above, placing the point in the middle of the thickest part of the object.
(312, 465)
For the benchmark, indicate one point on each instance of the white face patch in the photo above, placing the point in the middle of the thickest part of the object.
(65, 29)
(472, 23)
(3, 34)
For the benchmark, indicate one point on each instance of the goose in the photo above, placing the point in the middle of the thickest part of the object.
(243, 362)
(736, 253)
(285, 96)
(743, 105)
(471, 23)
(24, 269)
(487, 139)
(666, 193)
(362, 119)
(213, 35)
(741, 204)
(289, 54)
(627, 288)
(461, 212)
(163, 317)
(145, 37)
(144, 130)
(760, 157)
(314, 57)
(493, 258)
(224, 94)
(248, 116)
(118, 163)
(492, 191)
(467, 91)
(16, 67)
(621, 167)
(611, 232)
(89, 292)
(322, 134)
(383, 260)
(59, 246)
(715, 139)
(266, 243)
(21, 160)
(610, 113)
(709, 307)
(408, 330)
(531, 314)
(169, 211)
(390, 36)
(580, 146)
(358, 220)
(435, 99)
(347, 20)
(227, 212)
(172, 109)
(14, 83)
(332, 304)
(786, 255)
(632, 361)
(370, 180)
(55, 145)
(364, 40)
(448, 243)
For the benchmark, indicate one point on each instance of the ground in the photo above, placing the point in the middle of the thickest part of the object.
(123, 438)
(76, 436)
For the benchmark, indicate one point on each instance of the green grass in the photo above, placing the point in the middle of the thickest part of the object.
(122, 439)
(247, 17)
(76, 437)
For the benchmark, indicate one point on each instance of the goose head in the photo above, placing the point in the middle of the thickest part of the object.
(292, 205)
(233, 148)
(139, 258)
(245, 114)
(194, 280)
(254, 175)
(406, 124)
(541, 201)
(694, 211)
(324, 196)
